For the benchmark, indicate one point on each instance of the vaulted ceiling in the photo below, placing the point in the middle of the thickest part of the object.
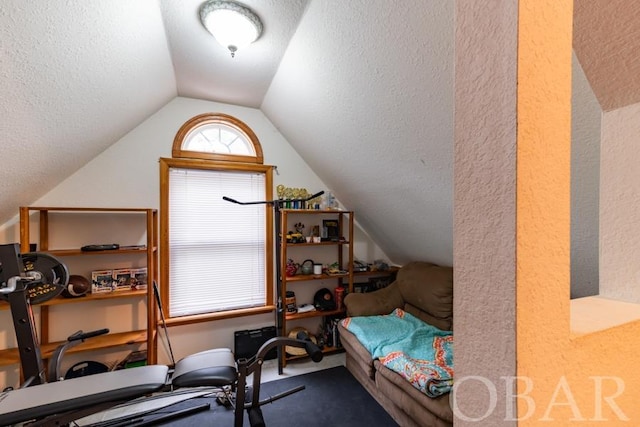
(368, 81)
(607, 43)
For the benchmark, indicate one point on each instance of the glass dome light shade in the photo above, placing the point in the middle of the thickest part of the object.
(233, 25)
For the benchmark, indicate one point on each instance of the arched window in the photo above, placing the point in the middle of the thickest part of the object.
(216, 256)
(217, 137)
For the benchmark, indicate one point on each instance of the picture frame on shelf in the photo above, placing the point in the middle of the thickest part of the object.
(122, 279)
(331, 230)
(102, 281)
(139, 278)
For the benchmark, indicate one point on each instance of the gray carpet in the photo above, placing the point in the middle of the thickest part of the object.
(332, 397)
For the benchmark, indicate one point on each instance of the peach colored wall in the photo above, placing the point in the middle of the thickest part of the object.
(560, 369)
(619, 213)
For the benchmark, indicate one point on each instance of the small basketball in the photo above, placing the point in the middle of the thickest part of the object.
(77, 287)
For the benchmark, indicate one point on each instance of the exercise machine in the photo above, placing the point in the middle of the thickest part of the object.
(29, 279)
(277, 206)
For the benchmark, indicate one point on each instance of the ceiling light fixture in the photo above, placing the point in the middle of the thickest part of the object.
(233, 25)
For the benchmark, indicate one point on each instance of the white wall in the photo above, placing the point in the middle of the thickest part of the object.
(127, 175)
(586, 117)
(619, 197)
(484, 257)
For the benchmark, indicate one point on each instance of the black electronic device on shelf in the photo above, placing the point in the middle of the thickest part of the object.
(102, 247)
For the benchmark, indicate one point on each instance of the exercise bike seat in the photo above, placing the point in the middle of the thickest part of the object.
(79, 393)
(213, 368)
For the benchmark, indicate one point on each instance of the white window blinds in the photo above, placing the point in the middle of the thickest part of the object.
(216, 248)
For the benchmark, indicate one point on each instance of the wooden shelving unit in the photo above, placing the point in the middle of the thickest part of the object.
(86, 298)
(341, 249)
(390, 271)
(150, 251)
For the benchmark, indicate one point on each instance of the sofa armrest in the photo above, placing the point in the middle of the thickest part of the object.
(382, 301)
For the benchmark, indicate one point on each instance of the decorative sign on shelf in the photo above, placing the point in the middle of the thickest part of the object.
(293, 199)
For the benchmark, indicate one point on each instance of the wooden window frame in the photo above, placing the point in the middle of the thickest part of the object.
(216, 118)
(221, 162)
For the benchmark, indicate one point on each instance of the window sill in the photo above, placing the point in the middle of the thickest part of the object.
(188, 320)
(597, 313)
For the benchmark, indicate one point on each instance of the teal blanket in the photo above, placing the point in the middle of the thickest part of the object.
(419, 352)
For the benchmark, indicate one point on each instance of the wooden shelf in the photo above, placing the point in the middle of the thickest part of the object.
(341, 242)
(316, 211)
(97, 297)
(11, 356)
(86, 298)
(99, 342)
(315, 313)
(341, 249)
(84, 209)
(80, 252)
(148, 249)
(388, 272)
(306, 277)
(325, 351)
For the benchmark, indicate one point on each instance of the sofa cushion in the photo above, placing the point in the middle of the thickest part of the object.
(411, 400)
(382, 301)
(427, 290)
(356, 350)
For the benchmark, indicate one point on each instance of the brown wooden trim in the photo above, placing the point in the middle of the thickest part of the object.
(213, 165)
(216, 118)
(270, 238)
(164, 232)
(165, 166)
(44, 231)
(152, 255)
(25, 237)
(208, 317)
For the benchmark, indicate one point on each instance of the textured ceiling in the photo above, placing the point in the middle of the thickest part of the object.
(205, 71)
(75, 77)
(369, 106)
(362, 89)
(606, 39)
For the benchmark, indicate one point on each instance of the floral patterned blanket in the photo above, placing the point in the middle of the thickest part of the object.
(419, 352)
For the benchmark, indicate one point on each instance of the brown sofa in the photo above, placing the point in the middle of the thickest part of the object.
(426, 291)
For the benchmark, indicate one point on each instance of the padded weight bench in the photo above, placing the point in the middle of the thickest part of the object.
(60, 402)
(65, 401)
(209, 368)
(57, 403)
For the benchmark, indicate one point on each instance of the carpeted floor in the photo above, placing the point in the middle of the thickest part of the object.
(332, 397)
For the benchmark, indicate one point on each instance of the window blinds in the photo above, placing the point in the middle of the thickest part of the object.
(216, 248)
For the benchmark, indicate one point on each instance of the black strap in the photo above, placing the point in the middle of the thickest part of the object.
(156, 292)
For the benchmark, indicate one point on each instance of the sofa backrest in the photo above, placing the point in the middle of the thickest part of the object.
(427, 290)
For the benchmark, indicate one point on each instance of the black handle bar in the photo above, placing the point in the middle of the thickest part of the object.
(84, 335)
(312, 349)
(229, 199)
